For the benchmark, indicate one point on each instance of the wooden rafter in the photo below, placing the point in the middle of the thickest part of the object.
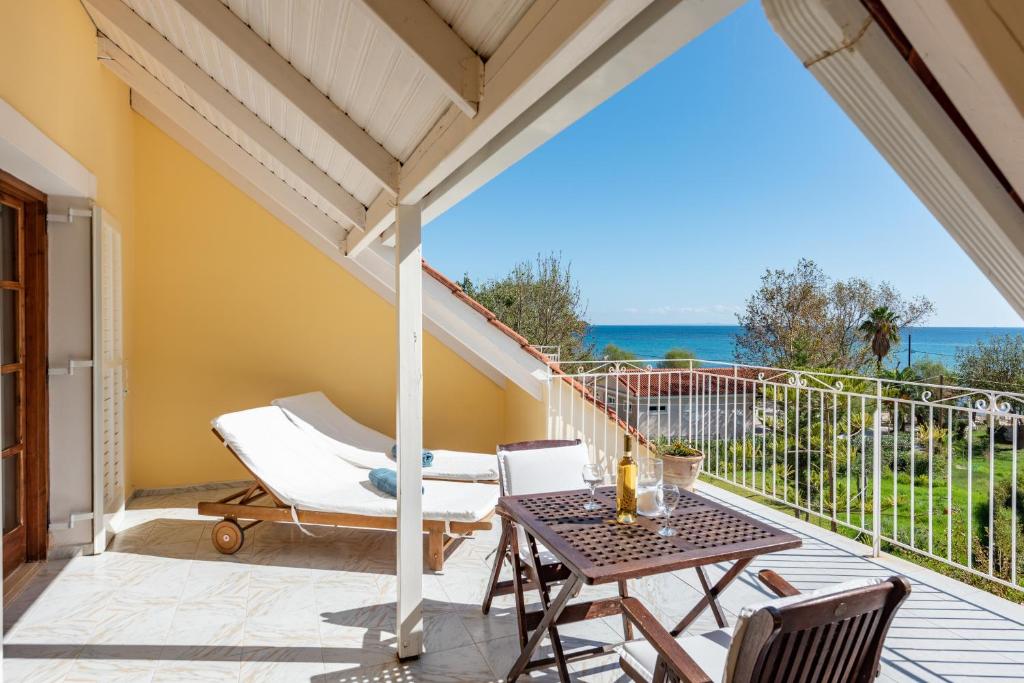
(452, 64)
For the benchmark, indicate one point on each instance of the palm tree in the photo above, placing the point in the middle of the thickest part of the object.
(880, 330)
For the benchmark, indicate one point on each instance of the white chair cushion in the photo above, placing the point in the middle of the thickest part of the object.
(542, 470)
(709, 650)
(302, 474)
(743, 618)
(358, 445)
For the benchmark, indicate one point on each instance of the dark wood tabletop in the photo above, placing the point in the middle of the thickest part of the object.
(599, 550)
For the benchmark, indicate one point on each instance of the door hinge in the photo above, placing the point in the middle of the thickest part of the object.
(69, 217)
(73, 364)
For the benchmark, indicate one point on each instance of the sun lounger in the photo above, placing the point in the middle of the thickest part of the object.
(298, 481)
(363, 447)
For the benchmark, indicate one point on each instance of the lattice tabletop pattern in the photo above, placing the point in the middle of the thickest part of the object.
(600, 550)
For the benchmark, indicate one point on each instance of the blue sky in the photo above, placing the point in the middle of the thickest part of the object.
(673, 197)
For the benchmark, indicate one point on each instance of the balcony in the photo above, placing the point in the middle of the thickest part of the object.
(162, 604)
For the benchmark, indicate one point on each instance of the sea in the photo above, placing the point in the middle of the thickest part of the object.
(718, 342)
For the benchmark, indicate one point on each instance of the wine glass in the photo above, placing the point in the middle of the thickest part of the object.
(669, 501)
(592, 477)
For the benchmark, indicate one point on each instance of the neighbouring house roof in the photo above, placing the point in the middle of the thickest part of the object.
(675, 382)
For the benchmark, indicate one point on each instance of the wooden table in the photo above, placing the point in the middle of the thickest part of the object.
(597, 550)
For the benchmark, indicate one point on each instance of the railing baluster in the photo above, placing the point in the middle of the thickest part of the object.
(949, 485)
(835, 450)
(821, 456)
(785, 444)
(970, 487)
(913, 472)
(849, 447)
(876, 484)
(991, 486)
(931, 477)
(864, 463)
(895, 469)
(1015, 423)
(810, 447)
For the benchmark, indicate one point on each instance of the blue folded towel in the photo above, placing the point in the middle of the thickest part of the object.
(385, 480)
(428, 457)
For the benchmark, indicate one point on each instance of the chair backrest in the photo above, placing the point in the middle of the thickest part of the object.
(541, 466)
(829, 636)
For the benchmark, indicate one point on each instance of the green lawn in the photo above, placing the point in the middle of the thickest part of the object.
(950, 523)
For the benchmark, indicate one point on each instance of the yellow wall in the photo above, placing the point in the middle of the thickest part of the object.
(51, 76)
(234, 309)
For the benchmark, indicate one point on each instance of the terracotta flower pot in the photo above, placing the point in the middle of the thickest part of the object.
(682, 470)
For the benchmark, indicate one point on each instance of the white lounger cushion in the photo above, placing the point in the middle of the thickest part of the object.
(367, 448)
(300, 473)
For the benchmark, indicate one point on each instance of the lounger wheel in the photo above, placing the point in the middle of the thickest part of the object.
(227, 536)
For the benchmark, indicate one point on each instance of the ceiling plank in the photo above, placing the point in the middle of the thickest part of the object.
(296, 88)
(454, 66)
(159, 49)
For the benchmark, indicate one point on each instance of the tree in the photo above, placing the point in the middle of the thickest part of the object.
(802, 318)
(541, 301)
(679, 358)
(996, 364)
(880, 331)
(613, 352)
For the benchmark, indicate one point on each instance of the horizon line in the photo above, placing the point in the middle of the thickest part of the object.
(709, 324)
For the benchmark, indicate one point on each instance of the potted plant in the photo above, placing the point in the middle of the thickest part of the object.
(681, 463)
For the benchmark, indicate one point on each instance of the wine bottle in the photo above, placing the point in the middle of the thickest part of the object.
(625, 491)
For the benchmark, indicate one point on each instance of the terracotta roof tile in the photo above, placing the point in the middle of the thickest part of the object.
(677, 382)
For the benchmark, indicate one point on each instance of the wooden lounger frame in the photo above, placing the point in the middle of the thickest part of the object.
(239, 506)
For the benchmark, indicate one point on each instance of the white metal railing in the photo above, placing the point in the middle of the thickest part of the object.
(553, 352)
(928, 468)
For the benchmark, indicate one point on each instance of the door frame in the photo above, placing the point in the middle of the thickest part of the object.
(36, 479)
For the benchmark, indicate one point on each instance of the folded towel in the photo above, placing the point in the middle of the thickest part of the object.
(428, 457)
(385, 480)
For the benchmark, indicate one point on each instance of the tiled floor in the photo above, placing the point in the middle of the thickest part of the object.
(163, 605)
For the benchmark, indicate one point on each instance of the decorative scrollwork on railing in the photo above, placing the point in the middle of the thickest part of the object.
(994, 404)
(976, 400)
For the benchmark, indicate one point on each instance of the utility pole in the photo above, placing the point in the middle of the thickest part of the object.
(910, 345)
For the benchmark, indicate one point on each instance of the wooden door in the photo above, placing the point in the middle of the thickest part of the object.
(12, 377)
(23, 475)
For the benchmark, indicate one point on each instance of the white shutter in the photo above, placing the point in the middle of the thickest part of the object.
(112, 349)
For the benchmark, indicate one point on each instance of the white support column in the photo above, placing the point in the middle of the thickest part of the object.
(409, 308)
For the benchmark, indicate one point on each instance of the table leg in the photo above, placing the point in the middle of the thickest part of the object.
(711, 594)
(499, 560)
(627, 625)
(550, 615)
(517, 584)
(545, 596)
